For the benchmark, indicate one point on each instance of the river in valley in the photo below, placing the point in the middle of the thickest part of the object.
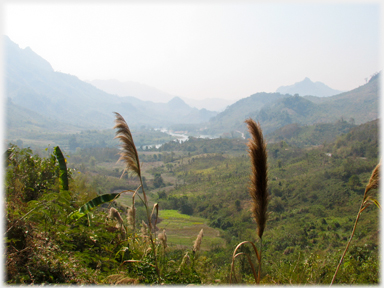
(180, 137)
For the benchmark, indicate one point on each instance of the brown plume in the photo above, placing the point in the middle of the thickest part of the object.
(196, 245)
(259, 177)
(374, 180)
(128, 152)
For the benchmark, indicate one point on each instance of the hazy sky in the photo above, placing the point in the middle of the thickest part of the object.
(228, 49)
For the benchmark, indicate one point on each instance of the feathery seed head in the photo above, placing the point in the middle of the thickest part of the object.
(114, 214)
(128, 152)
(259, 177)
(184, 262)
(374, 180)
(154, 216)
(144, 227)
(163, 238)
(131, 216)
(196, 245)
(123, 232)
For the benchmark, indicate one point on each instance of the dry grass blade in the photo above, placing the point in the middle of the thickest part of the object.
(127, 281)
(233, 267)
(128, 151)
(259, 176)
(235, 255)
(114, 278)
(138, 261)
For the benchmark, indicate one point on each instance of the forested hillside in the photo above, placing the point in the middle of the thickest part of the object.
(317, 176)
(235, 114)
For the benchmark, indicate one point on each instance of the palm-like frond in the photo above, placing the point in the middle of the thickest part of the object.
(128, 152)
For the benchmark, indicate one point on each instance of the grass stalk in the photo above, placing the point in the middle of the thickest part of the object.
(367, 200)
(257, 150)
(129, 155)
(235, 254)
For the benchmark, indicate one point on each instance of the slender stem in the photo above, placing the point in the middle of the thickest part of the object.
(261, 248)
(349, 241)
(134, 216)
(150, 231)
(233, 269)
(235, 255)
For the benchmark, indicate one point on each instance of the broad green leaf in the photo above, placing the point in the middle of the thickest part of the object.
(89, 206)
(63, 168)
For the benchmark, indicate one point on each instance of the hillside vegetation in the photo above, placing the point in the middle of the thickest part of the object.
(317, 175)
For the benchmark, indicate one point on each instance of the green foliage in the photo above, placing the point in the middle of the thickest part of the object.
(63, 168)
(35, 223)
(158, 182)
(29, 176)
(315, 192)
(317, 134)
(90, 205)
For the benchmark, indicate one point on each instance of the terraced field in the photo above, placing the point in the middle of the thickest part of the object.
(182, 230)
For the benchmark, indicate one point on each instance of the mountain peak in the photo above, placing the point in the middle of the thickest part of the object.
(307, 87)
(19, 57)
(176, 99)
(177, 103)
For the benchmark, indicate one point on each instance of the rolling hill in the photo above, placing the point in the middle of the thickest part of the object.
(235, 114)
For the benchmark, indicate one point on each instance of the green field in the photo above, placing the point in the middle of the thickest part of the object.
(182, 230)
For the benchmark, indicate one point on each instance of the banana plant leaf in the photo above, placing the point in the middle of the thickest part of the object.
(89, 206)
(63, 168)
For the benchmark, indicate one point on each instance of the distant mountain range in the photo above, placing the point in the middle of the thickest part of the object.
(275, 110)
(307, 87)
(148, 93)
(40, 98)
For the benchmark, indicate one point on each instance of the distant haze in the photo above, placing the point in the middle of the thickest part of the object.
(129, 88)
(148, 93)
(196, 50)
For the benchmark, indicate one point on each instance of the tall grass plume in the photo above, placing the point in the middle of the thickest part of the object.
(258, 189)
(197, 243)
(259, 176)
(128, 152)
